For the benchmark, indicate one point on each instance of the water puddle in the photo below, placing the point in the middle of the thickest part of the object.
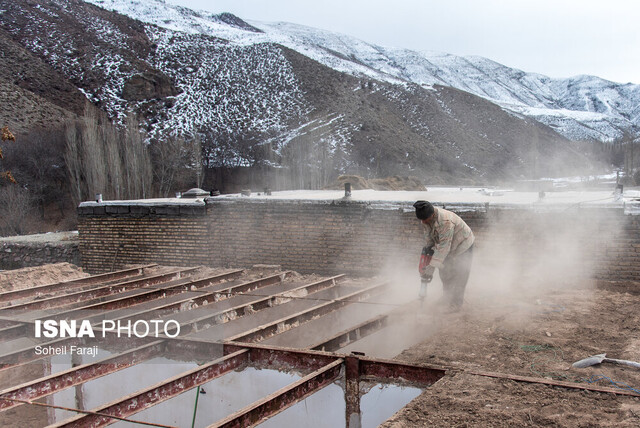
(102, 390)
(325, 408)
(227, 394)
(218, 398)
(383, 401)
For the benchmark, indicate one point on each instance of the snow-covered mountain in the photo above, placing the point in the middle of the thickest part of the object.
(307, 103)
(580, 108)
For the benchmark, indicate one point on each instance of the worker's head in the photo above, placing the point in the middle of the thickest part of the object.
(424, 211)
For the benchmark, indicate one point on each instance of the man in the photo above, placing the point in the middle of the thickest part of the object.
(452, 242)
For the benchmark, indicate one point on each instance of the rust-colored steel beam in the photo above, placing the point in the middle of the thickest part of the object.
(152, 293)
(272, 328)
(397, 372)
(283, 398)
(310, 288)
(345, 337)
(8, 322)
(563, 384)
(176, 286)
(368, 368)
(57, 382)
(16, 331)
(352, 392)
(82, 296)
(206, 296)
(39, 290)
(259, 303)
(179, 285)
(28, 354)
(22, 329)
(163, 391)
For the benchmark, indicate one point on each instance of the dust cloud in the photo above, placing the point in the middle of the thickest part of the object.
(524, 263)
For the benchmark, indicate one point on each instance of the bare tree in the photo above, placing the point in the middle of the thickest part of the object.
(136, 161)
(73, 162)
(14, 210)
(103, 159)
(195, 149)
(167, 159)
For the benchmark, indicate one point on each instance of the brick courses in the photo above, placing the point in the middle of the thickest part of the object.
(345, 236)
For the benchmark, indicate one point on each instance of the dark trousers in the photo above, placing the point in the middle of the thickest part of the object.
(454, 275)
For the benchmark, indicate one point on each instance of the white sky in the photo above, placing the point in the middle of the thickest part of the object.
(558, 38)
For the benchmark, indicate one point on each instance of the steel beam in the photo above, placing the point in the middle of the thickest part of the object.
(398, 372)
(24, 327)
(352, 392)
(20, 330)
(39, 290)
(261, 302)
(272, 328)
(345, 337)
(81, 296)
(283, 398)
(207, 296)
(51, 384)
(158, 393)
(157, 292)
(28, 354)
(563, 384)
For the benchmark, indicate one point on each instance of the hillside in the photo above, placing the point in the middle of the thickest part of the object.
(256, 102)
(580, 107)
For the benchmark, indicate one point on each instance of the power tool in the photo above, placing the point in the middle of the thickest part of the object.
(425, 260)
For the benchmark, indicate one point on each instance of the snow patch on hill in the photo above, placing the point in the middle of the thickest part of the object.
(582, 107)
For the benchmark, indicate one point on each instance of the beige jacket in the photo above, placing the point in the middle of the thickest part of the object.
(449, 235)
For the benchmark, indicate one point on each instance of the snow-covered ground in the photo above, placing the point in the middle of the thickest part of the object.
(444, 195)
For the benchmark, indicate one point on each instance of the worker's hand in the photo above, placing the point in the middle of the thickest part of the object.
(427, 272)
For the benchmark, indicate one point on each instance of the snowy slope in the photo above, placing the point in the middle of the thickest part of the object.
(582, 107)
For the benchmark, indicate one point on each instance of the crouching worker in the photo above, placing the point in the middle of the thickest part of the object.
(452, 242)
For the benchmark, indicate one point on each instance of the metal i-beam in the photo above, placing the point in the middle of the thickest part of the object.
(158, 393)
(310, 288)
(21, 329)
(81, 296)
(57, 382)
(563, 384)
(345, 337)
(352, 392)
(157, 292)
(368, 368)
(28, 354)
(261, 302)
(205, 296)
(8, 296)
(272, 328)
(398, 372)
(283, 398)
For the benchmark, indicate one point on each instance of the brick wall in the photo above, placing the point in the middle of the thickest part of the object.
(113, 236)
(351, 237)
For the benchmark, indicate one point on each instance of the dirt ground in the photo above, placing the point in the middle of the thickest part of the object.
(39, 275)
(535, 332)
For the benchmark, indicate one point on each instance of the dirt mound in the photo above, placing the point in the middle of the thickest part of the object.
(389, 183)
(39, 275)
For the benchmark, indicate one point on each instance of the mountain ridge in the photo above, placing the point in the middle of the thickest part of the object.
(266, 105)
(581, 107)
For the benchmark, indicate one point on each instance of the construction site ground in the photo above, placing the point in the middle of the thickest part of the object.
(523, 328)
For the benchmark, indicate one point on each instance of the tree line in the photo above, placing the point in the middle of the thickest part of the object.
(52, 170)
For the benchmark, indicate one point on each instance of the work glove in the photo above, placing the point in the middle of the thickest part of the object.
(427, 272)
